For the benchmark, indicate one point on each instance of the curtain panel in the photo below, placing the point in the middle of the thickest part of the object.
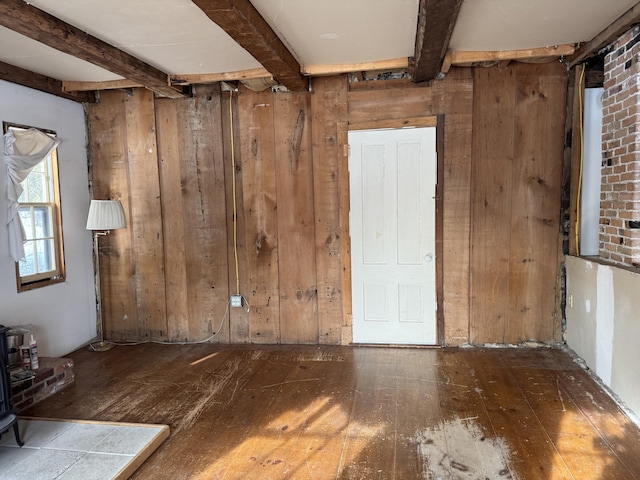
(23, 150)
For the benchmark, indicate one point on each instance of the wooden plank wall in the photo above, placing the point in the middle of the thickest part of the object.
(173, 163)
(517, 174)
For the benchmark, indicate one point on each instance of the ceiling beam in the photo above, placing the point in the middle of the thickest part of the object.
(191, 78)
(609, 35)
(458, 57)
(336, 69)
(49, 30)
(436, 19)
(245, 25)
(75, 86)
(30, 79)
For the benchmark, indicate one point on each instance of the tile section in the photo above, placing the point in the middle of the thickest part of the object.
(70, 450)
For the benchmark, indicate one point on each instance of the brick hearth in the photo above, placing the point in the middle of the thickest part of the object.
(53, 375)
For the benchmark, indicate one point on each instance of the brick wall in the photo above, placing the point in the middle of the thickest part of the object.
(620, 188)
(53, 375)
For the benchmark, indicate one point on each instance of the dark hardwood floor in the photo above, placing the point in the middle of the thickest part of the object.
(295, 412)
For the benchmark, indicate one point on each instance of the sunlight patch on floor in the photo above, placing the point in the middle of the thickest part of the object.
(300, 443)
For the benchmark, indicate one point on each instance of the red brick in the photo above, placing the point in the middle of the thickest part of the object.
(635, 109)
(615, 222)
(616, 258)
(629, 158)
(629, 120)
(610, 247)
(629, 102)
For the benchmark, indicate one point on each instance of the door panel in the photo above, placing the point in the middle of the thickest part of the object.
(393, 177)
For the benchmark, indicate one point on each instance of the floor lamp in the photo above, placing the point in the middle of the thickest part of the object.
(104, 216)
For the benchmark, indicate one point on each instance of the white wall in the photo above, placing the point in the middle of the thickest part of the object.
(64, 314)
(603, 324)
(591, 173)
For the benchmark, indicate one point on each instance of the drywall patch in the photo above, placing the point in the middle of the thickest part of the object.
(457, 449)
(605, 311)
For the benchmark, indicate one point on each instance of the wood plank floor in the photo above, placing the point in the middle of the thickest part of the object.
(320, 413)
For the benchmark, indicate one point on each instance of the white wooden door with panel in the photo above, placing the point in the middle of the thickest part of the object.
(393, 179)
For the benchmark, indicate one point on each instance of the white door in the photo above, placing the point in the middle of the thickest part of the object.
(393, 179)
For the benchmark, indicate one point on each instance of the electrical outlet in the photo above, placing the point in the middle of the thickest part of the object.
(236, 301)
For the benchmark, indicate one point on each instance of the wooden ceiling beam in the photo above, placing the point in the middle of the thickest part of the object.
(459, 57)
(191, 78)
(320, 70)
(49, 30)
(30, 79)
(436, 19)
(245, 25)
(75, 86)
(609, 35)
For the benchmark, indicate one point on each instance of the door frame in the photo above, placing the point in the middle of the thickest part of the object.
(345, 235)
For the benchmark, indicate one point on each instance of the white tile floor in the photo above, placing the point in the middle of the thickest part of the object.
(69, 450)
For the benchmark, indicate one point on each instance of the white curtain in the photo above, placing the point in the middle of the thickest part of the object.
(23, 150)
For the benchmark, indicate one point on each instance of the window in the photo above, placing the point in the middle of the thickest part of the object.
(39, 210)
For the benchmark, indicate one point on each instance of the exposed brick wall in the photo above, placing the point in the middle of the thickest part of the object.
(620, 188)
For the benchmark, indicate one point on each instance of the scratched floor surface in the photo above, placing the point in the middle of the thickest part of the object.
(252, 412)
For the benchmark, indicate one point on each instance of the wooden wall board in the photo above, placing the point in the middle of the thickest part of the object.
(374, 105)
(345, 233)
(439, 227)
(239, 322)
(296, 220)
(491, 200)
(453, 99)
(536, 188)
(109, 179)
(517, 175)
(329, 108)
(203, 191)
(260, 210)
(173, 217)
(145, 222)
(394, 84)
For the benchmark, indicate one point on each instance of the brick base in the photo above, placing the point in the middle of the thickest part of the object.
(53, 375)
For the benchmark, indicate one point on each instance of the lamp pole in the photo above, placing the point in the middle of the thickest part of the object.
(101, 345)
(104, 216)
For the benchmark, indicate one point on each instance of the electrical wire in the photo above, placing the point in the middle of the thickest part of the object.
(233, 191)
(579, 195)
(194, 342)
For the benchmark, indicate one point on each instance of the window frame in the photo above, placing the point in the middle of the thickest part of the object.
(59, 275)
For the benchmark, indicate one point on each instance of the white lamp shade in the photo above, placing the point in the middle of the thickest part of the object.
(106, 215)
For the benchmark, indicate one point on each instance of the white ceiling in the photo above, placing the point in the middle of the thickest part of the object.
(523, 24)
(176, 37)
